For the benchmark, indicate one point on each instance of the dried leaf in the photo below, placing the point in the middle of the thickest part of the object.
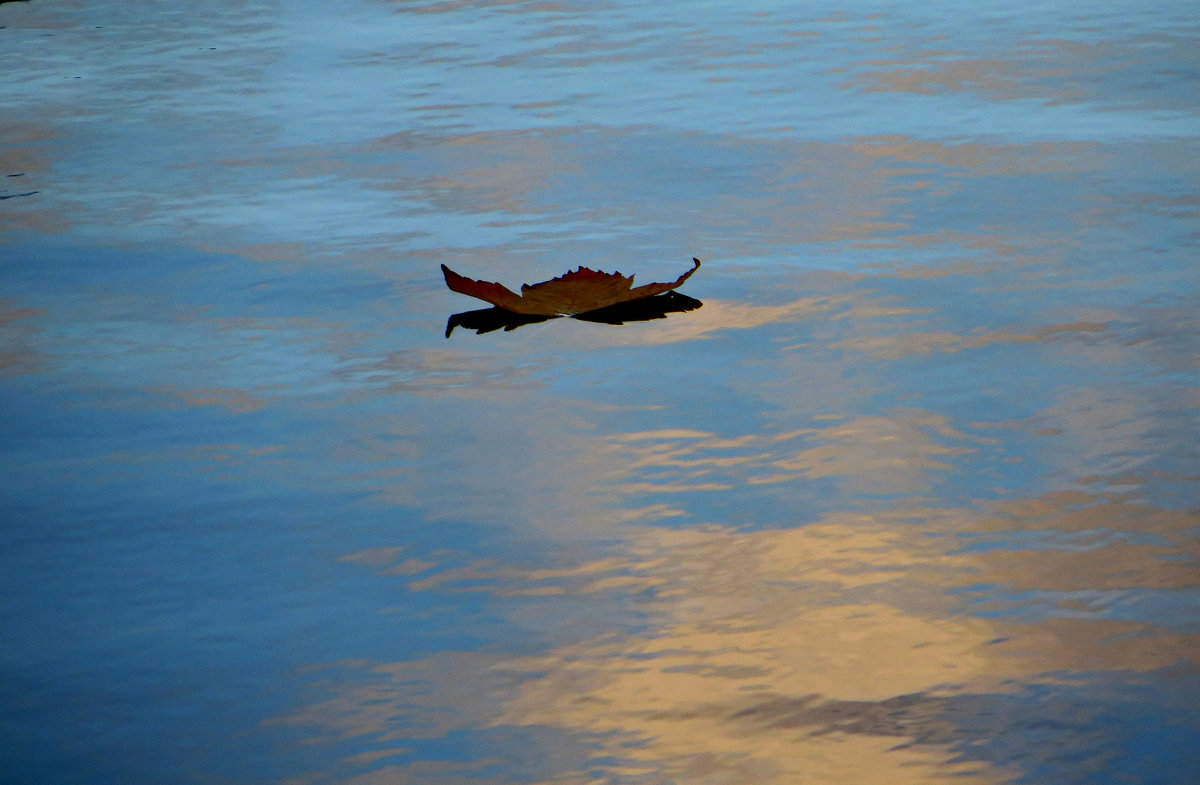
(577, 292)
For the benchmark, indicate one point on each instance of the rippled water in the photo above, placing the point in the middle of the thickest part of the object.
(912, 498)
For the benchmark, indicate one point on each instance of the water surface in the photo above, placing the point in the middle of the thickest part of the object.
(911, 498)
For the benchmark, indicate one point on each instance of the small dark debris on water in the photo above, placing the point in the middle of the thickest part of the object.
(14, 196)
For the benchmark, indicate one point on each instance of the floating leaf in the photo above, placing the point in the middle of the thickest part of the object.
(577, 292)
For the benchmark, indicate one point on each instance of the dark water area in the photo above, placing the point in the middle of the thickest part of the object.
(912, 496)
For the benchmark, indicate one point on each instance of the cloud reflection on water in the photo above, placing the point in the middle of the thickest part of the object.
(910, 499)
(835, 651)
(909, 641)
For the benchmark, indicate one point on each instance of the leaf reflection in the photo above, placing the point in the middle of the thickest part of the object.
(488, 320)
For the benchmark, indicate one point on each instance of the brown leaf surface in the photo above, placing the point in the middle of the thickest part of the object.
(579, 291)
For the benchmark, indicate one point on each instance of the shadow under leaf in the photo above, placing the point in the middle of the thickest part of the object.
(659, 306)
